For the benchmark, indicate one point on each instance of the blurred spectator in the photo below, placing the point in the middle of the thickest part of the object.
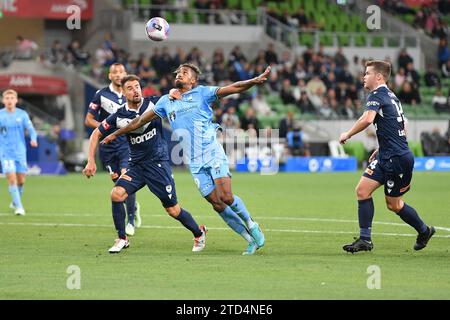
(403, 59)
(443, 52)
(286, 94)
(25, 48)
(340, 58)
(76, 56)
(230, 119)
(295, 143)
(150, 90)
(249, 121)
(348, 111)
(408, 94)
(270, 54)
(286, 124)
(431, 78)
(259, 103)
(439, 31)
(434, 143)
(412, 75)
(57, 53)
(400, 78)
(446, 69)
(440, 102)
(305, 105)
(164, 86)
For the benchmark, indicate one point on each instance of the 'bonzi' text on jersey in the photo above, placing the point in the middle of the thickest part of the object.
(146, 142)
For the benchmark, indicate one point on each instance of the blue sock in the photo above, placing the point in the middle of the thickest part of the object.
(131, 207)
(15, 195)
(410, 216)
(188, 221)
(238, 206)
(118, 212)
(365, 217)
(235, 223)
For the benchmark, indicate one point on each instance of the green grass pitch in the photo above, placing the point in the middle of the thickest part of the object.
(306, 219)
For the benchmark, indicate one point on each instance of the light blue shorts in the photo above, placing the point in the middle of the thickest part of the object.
(204, 178)
(14, 166)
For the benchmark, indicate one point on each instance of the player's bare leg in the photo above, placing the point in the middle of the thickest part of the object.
(133, 210)
(409, 215)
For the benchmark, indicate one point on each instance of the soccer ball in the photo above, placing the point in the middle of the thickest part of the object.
(157, 29)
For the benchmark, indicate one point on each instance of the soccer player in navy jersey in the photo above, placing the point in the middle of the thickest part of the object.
(114, 156)
(191, 118)
(390, 165)
(148, 164)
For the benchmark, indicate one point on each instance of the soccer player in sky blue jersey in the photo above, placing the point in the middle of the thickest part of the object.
(114, 156)
(148, 165)
(390, 165)
(13, 151)
(191, 118)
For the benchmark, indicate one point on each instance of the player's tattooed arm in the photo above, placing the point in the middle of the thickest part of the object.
(362, 123)
(133, 125)
(241, 86)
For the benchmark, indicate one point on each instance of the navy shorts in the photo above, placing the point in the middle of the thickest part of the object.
(115, 161)
(394, 173)
(156, 175)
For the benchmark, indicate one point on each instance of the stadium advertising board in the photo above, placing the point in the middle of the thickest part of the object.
(27, 83)
(48, 9)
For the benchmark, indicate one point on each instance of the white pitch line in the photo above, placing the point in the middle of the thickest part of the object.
(212, 216)
(48, 224)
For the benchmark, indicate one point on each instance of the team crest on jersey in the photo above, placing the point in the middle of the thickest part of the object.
(169, 188)
(172, 116)
(390, 183)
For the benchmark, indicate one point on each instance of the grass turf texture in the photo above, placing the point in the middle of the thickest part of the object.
(306, 218)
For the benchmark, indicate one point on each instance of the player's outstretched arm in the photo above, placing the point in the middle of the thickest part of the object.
(133, 125)
(91, 167)
(362, 123)
(241, 86)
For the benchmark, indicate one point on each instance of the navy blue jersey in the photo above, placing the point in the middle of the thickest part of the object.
(147, 142)
(106, 102)
(389, 122)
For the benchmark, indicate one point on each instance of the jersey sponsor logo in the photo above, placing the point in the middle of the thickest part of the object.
(144, 137)
(172, 116)
(369, 171)
(93, 106)
(372, 103)
(105, 125)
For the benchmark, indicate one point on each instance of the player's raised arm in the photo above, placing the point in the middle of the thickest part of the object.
(133, 125)
(362, 123)
(241, 86)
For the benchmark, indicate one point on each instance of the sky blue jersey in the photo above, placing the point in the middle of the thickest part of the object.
(191, 119)
(12, 134)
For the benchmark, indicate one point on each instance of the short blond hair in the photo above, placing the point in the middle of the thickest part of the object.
(9, 91)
